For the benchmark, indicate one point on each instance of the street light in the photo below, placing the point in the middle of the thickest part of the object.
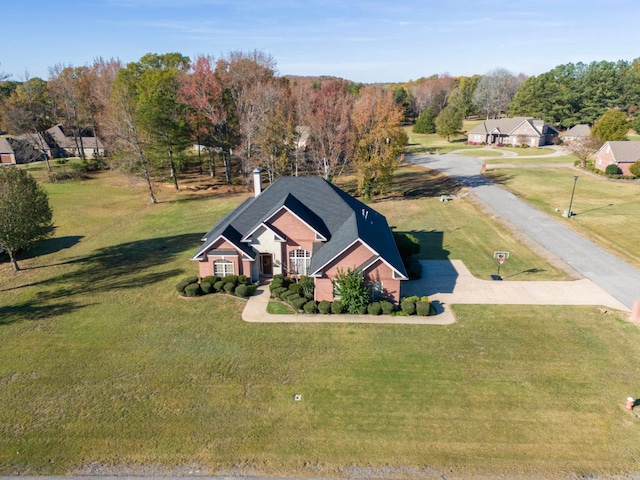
(575, 180)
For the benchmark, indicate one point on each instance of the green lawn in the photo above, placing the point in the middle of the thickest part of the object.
(103, 364)
(420, 144)
(568, 159)
(606, 211)
(481, 153)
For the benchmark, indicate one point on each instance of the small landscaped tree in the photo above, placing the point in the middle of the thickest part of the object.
(611, 126)
(449, 122)
(426, 122)
(25, 215)
(350, 287)
(583, 147)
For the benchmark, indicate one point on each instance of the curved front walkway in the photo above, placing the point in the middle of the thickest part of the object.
(449, 282)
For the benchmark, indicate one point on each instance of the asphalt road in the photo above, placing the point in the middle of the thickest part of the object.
(609, 272)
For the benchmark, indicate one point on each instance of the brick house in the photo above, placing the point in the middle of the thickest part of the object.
(7, 155)
(304, 226)
(513, 131)
(620, 153)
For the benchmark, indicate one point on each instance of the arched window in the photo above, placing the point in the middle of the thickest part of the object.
(222, 268)
(299, 261)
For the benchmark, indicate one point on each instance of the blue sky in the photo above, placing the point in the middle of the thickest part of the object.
(364, 41)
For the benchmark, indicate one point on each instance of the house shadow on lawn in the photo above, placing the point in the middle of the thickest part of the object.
(130, 265)
(440, 276)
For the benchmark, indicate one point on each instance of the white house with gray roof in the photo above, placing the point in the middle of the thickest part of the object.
(515, 131)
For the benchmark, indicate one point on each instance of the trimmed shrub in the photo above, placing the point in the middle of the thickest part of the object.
(361, 310)
(210, 279)
(291, 296)
(242, 279)
(307, 284)
(273, 286)
(192, 290)
(180, 286)
(612, 169)
(635, 169)
(295, 287)
(324, 307)
(206, 287)
(299, 303)
(277, 292)
(218, 286)
(229, 287)
(408, 307)
(387, 307)
(241, 290)
(278, 276)
(374, 308)
(251, 289)
(336, 307)
(230, 279)
(422, 308)
(310, 307)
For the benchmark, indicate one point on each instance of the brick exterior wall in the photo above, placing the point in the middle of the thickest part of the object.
(604, 157)
(352, 258)
(299, 235)
(241, 266)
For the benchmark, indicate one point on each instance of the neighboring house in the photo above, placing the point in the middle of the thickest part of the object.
(620, 153)
(304, 226)
(67, 146)
(513, 131)
(38, 142)
(577, 132)
(7, 155)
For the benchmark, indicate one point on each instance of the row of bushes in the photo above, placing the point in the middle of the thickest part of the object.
(612, 171)
(408, 306)
(232, 284)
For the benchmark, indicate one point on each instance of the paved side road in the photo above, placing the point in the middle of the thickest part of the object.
(618, 278)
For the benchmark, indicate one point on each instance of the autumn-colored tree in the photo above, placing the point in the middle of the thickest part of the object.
(95, 85)
(329, 123)
(202, 91)
(72, 109)
(30, 109)
(276, 132)
(379, 139)
(128, 142)
(432, 92)
(494, 92)
(582, 148)
(244, 76)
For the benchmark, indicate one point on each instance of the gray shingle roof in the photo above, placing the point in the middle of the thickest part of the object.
(623, 151)
(330, 211)
(504, 125)
(578, 131)
(4, 146)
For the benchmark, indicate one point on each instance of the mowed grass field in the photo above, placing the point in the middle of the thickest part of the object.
(606, 211)
(103, 368)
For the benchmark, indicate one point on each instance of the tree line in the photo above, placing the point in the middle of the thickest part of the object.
(235, 109)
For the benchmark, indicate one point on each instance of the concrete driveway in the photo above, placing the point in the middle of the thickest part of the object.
(449, 282)
(610, 273)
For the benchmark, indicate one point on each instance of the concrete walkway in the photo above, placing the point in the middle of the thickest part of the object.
(256, 311)
(449, 282)
(609, 272)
